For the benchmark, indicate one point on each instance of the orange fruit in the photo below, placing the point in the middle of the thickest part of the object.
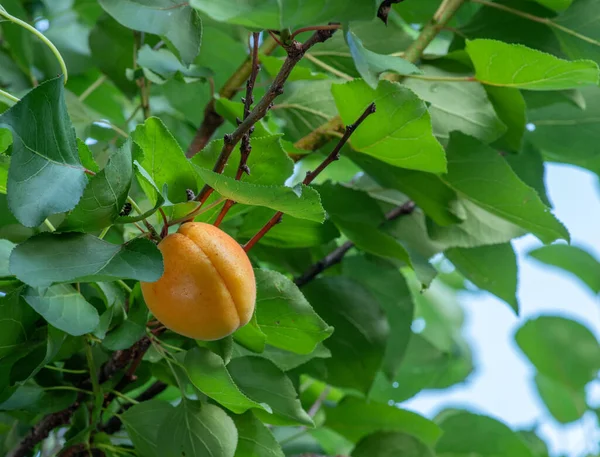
(208, 289)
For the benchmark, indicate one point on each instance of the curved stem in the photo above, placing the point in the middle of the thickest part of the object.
(10, 97)
(41, 36)
(48, 224)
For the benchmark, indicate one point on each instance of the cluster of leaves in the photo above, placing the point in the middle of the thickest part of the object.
(445, 168)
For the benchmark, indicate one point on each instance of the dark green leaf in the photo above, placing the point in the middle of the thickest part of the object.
(17, 322)
(561, 349)
(497, 188)
(579, 34)
(510, 108)
(208, 373)
(254, 439)
(355, 419)
(359, 341)
(64, 308)
(158, 17)
(78, 257)
(285, 316)
(573, 260)
(399, 133)
(261, 381)
(45, 176)
(391, 444)
(529, 167)
(492, 268)
(143, 422)
(134, 325)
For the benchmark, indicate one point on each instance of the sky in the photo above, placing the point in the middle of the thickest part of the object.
(502, 386)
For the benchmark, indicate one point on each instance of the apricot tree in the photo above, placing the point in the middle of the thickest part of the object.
(220, 219)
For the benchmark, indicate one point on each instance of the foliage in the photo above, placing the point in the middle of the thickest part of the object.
(365, 155)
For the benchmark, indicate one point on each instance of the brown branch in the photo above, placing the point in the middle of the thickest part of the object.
(245, 147)
(311, 175)
(213, 120)
(336, 256)
(315, 27)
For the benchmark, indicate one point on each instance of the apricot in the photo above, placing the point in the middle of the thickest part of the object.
(208, 289)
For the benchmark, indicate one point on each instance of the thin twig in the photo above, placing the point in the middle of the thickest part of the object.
(315, 27)
(245, 146)
(141, 82)
(311, 175)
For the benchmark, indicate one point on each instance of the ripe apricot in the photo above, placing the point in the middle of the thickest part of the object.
(208, 289)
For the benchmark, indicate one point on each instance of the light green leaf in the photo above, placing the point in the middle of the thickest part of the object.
(475, 435)
(161, 64)
(370, 64)
(196, 429)
(561, 349)
(263, 382)
(158, 17)
(514, 65)
(566, 404)
(6, 248)
(391, 444)
(558, 5)
(457, 106)
(251, 336)
(355, 418)
(273, 14)
(45, 175)
(64, 308)
(529, 167)
(77, 257)
(164, 161)
(285, 316)
(480, 174)
(399, 133)
(301, 201)
(143, 421)
(104, 196)
(254, 438)
(492, 268)
(208, 373)
(573, 260)
(359, 341)
(511, 110)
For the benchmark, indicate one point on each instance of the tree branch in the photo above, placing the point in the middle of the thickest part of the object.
(311, 175)
(336, 256)
(213, 120)
(245, 147)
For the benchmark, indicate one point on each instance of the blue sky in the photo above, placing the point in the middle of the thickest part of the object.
(502, 386)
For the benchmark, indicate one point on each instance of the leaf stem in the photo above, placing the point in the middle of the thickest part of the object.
(315, 27)
(104, 232)
(41, 36)
(86, 93)
(124, 397)
(124, 286)
(310, 176)
(329, 68)
(10, 97)
(542, 20)
(48, 224)
(65, 370)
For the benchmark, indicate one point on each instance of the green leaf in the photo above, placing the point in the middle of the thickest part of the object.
(77, 257)
(557, 5)
(111, 47)
(399, 133)
(573, 260)
(457, 106)
(511, 110)
(208, 373)
(272, 65)
(143, 422)
(566, 404)
(269, 164)
(427, 190)
(529, 167)
(17, 322)
(6, 248)
(359, 341)
(132, 328)
(513, 65)
(561, 349)
(285, 316)
(578, 31)
(497, 189)
(475, 435)
(45, 175)
(492, 268)
(64, 308)
(301, 201)
(254, 439)
(370, 64)
(194, 429)
(261, 381)
(158, 18)
(354, 418)
(389, 286)
(164, 161)
(272, 14)
(161, 64)
(391, 444)
(251, 336)
(104, 196)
